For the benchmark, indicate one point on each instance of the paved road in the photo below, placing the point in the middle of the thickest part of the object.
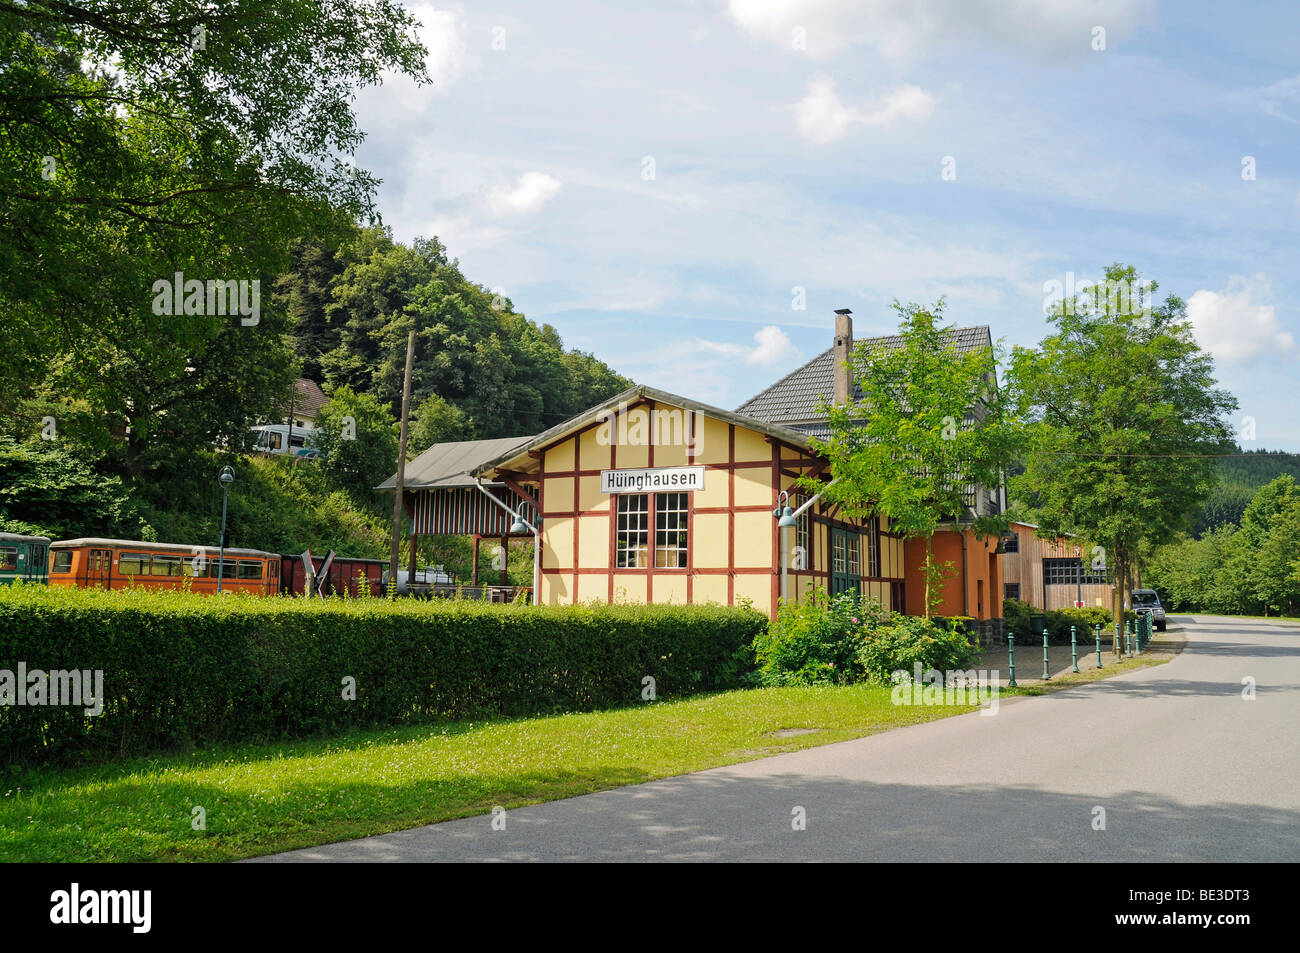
(1185, 768)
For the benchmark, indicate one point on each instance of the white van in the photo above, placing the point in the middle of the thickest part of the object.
(277, 439)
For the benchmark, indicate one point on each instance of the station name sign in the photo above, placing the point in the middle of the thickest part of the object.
(652, 479)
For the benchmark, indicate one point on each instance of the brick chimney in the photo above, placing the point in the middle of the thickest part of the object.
(840, 354)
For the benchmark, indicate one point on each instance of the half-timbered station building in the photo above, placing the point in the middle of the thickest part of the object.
(654, 497)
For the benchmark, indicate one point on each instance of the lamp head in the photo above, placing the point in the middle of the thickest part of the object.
(226, 476)
(517, 527)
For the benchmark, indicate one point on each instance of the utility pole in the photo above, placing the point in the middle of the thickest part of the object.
(401, 466)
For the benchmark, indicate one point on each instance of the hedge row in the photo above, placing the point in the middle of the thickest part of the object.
(182, 670)
(1017, 615)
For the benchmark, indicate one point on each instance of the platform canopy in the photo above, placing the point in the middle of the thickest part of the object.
(443, 499)
(450, 465)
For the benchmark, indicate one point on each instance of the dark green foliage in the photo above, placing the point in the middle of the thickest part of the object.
(1253, 568)
(180, 670)
(1126, 419)
(46, 491)
(905, 641)
(1239, 478)
(358, 441)
(1017, 616)
(816, 641)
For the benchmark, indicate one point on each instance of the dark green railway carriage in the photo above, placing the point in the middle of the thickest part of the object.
(24, 557)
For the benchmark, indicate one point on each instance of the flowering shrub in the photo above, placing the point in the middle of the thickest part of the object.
(816, 642)
(848, 638)
(906, 641)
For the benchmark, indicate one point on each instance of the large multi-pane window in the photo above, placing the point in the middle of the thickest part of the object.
(839, 553)
(670, 530)
(166, 566)
(8, 558)
(1061, 572)
(854, 544)
(631, 542)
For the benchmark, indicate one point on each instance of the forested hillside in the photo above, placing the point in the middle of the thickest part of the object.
(1239, 478)
(481, 368)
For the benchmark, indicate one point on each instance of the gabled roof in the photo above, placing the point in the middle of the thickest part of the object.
(308, 397)
(447, 465)
(793, 399)
(519, 454)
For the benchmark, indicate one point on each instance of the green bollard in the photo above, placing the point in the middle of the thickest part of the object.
(1097, 630)
(1074, 649)
(1011, 658)
(1128, 638)
(1046, 672)
(1141, 627)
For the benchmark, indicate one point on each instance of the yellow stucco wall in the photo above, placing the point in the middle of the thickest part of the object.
(710, 540)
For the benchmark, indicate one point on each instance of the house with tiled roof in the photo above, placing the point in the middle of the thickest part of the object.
(793, 402)
(308, 399)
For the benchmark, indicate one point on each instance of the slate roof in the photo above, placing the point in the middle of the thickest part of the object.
(446, 465)
(792, 401)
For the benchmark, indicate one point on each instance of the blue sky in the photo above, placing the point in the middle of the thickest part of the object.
(656, 180)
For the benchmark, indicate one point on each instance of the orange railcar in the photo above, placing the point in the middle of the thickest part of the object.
(121, 564)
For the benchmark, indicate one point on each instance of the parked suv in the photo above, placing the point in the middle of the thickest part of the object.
(1146, 601)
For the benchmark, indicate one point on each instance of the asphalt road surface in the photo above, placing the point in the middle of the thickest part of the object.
(1185, 768)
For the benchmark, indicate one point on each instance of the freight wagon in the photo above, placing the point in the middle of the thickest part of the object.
(356, 577)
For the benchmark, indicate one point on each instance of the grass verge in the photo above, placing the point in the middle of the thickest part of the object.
(267, 798)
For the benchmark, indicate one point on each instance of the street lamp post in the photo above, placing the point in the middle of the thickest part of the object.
(227, 477)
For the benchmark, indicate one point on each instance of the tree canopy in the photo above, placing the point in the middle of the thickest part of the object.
(927, 431)
(1125, 421)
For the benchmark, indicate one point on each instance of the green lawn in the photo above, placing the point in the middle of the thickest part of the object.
(267, 798)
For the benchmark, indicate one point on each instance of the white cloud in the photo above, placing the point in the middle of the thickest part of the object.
(1034, 28)
(1234, 325)
(822, 117)
(442, 33)
(771, 346)
(530, 192)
